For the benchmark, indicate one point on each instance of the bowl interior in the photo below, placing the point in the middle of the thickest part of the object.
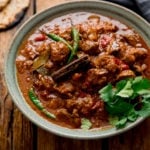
(104, 8)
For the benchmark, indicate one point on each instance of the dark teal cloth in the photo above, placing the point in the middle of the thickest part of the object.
(142, 7)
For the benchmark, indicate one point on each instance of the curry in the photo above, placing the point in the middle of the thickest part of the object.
(63, 64)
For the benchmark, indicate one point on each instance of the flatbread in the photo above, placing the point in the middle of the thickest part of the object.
(12, 13)
(3, 3)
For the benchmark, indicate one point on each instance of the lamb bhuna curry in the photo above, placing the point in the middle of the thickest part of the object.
(85, 70)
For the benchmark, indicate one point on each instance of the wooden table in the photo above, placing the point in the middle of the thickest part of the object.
(18, 133)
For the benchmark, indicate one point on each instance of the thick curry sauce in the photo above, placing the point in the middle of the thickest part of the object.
(114, 51)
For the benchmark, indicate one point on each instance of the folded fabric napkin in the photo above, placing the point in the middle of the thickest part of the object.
(142, 7)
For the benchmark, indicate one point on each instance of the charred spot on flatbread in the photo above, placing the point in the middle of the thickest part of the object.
(12, 13)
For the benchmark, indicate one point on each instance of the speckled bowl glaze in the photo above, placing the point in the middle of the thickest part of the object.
(105, 8)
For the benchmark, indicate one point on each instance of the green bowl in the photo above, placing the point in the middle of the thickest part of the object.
(105, 8)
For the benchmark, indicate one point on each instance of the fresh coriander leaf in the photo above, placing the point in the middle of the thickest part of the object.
(85, 124)
(145, 110)
(144, 93)
(127, 91)
(107, 93)
(113, 120)
(140, 83)
(120, 85)
(134, 96)
(137, 79)
(121, 123)
(146, 97)
(118, 108)
(118, 100)
(132, 115)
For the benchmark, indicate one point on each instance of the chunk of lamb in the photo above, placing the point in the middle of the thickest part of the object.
(30, 50)
(88, 31)
(89, 47)
(108, 27)
(55, 102)
(95, 76)
(58, 51)
(112, 43)
(116, 44)
(125, 74)
(99, 119)
(80, 105)
(106, 62)
(131, 37)
(65, 88)
(44, 82)
(85, 106)
(22, 63)
(65, 33)
(63, 115)
(139, 52)
(131, 55)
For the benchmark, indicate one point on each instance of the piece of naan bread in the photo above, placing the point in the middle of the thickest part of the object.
(3, 3)
(12, 13)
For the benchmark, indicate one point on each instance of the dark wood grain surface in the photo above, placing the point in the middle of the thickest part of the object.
(18, 133)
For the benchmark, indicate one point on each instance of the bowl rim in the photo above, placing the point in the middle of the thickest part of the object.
(64, 132)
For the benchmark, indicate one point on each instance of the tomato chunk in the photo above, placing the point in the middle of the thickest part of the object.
(104, 41)
(122, 65)
(40, 37)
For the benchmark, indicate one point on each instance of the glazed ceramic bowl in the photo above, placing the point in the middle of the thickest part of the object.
(107, 9)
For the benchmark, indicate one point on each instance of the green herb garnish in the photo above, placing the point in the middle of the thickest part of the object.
(73, 48)
(121, 100)
(58, 38)
(85, 124)
(75, 35)
(38, 104)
